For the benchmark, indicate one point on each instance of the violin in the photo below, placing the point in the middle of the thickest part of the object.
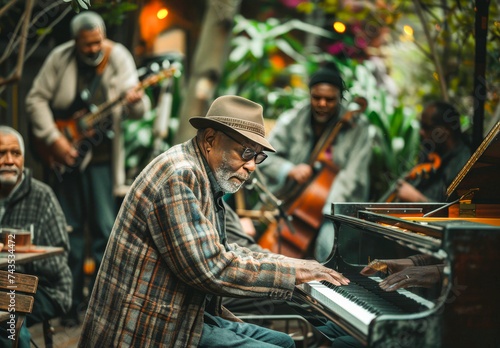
(430, 166)
(420, 171)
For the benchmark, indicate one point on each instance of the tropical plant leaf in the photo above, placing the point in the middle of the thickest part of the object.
(84, 4)
(286, 48)
(242, 47)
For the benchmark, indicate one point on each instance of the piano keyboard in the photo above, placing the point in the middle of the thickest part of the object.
(362, 300)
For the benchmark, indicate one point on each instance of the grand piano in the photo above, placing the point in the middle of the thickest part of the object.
(462, 309)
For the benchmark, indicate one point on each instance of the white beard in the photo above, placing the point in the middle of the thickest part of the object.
(223, 174)
(9, 179)
(91, 60)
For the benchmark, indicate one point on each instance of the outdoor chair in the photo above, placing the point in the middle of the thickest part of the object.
(23, 286)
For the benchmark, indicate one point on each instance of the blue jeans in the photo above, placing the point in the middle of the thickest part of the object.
(218, 332)
(341, 339)
(86, 196)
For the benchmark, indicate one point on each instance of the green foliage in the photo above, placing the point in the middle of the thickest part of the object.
(255, 69)
(252, 73)
(138, 139)
(394, 127)
(114, 12)
(141, 141)
(78, 5)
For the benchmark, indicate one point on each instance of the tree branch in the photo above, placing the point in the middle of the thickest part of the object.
(17, 40)
(7, 6)
(437, 63)
(16, 75)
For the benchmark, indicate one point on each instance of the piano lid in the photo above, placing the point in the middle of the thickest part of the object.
(481, 171)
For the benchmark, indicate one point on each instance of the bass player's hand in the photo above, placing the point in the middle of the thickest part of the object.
(63, 151)
(407, 193)
(300, 173)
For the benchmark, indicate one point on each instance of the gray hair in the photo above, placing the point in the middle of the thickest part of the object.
(86, 20)
(5, 130)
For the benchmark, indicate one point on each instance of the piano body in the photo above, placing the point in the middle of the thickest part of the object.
(462, 309)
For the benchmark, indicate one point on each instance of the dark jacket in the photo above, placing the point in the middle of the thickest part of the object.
(34, 203)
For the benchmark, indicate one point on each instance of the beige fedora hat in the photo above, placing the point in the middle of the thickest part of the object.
(233, 114)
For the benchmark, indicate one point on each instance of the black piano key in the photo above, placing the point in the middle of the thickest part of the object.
(366, 293)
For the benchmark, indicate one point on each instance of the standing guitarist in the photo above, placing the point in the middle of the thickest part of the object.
(87, 169)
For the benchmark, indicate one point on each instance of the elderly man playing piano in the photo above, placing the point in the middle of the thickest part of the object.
(168, 261)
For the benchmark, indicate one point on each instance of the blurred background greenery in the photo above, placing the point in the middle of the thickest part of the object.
(398, 54)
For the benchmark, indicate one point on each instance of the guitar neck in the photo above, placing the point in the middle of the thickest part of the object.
(94, 117)
(102, 111)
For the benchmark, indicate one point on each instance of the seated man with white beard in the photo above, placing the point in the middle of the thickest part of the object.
(26, 203)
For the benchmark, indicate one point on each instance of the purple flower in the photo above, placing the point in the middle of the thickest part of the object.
(336, 48)
(291, 3)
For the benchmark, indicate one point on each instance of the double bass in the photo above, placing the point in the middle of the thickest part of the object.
(293, 233)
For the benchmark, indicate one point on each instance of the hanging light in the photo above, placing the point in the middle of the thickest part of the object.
(152, 20)
(162, 13)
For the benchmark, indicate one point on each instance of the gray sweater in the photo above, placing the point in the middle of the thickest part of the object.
(293, 139)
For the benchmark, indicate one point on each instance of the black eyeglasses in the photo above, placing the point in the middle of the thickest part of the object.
(249, 153)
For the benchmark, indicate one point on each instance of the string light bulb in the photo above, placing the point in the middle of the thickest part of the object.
(408, 30)
(162, 14)
(339, 27)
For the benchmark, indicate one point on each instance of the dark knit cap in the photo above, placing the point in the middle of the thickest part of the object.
(328, 74)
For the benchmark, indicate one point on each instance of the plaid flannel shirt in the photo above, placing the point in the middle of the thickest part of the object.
(164, 256)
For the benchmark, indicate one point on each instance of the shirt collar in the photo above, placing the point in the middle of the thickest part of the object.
(214, 185)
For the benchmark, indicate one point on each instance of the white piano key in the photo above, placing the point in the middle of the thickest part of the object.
(358, 316)
(415, 297)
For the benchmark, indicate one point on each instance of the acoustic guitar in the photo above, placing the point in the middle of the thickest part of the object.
(86, 126)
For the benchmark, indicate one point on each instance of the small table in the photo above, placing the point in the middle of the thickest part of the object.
(40, 252)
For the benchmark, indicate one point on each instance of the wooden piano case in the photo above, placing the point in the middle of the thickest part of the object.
(464, 234)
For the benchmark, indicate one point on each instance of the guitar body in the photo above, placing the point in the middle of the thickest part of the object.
(74, 128)
(421, 171)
